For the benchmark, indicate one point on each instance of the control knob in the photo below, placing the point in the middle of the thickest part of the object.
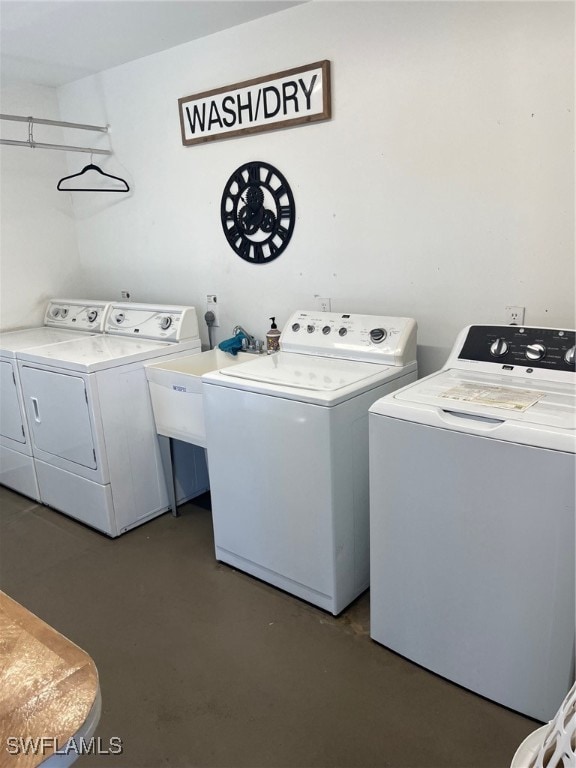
(342, 331)
(310, 328)
(326, 330)
(55, 312)
(377, 335)
(535, 351)
(119, 318)
(165, 322)
(499, 348)
(92, 315)
(569, 356)
(296, 327)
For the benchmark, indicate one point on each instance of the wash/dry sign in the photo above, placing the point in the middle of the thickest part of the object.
(288, 98)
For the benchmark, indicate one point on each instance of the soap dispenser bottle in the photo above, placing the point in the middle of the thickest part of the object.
(273, 338)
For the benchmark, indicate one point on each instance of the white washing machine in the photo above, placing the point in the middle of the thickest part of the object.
(65, 319)
(287, 440)
(472, 505)
(92, 428)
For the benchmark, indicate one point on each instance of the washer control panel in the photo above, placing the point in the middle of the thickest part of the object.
(368, 338)
(511, 347)
(152, 321)
(77, 315)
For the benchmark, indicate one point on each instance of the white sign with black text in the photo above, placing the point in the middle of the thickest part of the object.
(288, 98)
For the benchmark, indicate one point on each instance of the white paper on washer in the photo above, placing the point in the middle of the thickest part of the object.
(497, 397)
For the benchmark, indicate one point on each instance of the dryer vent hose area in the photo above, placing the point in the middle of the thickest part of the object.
(210, 317)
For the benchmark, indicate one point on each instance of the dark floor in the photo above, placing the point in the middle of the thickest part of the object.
(201, 665)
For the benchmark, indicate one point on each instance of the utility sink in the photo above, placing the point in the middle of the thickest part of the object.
(176, 392)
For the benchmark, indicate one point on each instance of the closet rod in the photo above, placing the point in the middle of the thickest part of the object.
(40, 145)
(41, 121)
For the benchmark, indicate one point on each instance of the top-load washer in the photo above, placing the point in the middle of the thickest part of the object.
(472, 504)
(287, 441)
(64, 319)
(91, 422)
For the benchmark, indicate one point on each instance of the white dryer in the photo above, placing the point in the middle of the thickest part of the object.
(287, 440)
(472, 505)
(92, 429)
(64, 319)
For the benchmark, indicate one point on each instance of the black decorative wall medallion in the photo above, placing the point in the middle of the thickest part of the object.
(258, 212)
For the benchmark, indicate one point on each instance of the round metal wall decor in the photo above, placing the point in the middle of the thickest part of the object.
(258, 212)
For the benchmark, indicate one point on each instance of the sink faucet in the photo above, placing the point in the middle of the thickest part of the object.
(250, 343)
(238, 329)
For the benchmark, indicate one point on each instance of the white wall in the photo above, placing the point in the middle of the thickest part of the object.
(37, 236)
(441, 189)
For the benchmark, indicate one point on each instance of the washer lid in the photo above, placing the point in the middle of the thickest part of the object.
(505, 398)
(102, 351)
(319, 374)
(12, 342)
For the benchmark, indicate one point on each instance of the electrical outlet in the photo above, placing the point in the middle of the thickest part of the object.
(125, 295)
(212, 306)
(515, 315)
(323, 304)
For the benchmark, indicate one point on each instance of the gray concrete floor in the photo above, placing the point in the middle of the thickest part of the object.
(201, 665)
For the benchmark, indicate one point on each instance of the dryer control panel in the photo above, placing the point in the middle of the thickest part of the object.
(152, 321)
(521, 350)
(366, 338)
(76, 314)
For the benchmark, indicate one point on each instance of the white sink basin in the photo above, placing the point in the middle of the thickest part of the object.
(176, 392)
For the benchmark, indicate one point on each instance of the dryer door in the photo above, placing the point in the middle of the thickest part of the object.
(11, 417)
(58, 415)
